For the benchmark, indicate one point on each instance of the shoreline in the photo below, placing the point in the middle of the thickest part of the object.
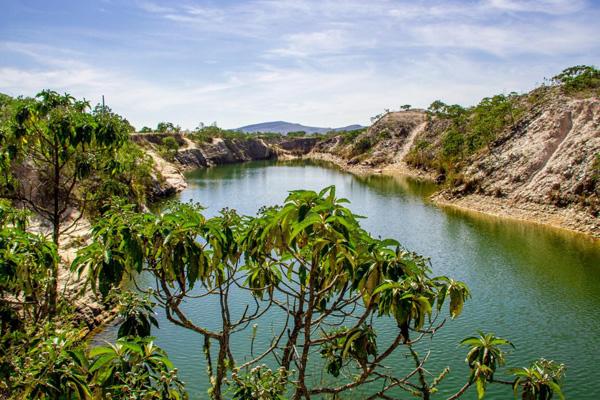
(567, 219)
(572, 219)
(564, 220)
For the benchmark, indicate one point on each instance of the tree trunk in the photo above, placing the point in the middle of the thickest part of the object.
(288, 353)
(53, 289)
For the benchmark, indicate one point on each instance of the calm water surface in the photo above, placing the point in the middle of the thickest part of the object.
(537, 286)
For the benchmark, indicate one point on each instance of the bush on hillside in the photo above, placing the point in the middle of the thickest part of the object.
(578, 78)
(468, 130)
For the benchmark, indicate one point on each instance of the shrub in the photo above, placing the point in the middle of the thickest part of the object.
(468, 130)
(578, 78)
(169, 148)
(452, 144)
(296, 134)
(363, 144)
(419, 155)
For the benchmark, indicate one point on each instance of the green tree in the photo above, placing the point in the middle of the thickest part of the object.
(167, 127)
(63, 144)
(308, 259)
(8, 145)
(53, 146)
(169, 147)
(578, 78)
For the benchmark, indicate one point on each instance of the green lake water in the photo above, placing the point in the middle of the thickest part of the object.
(537, 286)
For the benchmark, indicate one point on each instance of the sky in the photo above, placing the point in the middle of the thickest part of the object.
(320, 63)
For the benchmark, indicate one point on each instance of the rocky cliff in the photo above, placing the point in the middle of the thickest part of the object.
(193, 154)
(543, 168)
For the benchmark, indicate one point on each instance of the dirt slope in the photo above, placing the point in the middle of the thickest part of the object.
(542, 170)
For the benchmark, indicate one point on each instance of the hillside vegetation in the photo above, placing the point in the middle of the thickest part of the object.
(536, 148)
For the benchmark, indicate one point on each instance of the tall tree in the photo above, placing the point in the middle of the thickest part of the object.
(52, 143)
(57, 142)
(309, 263)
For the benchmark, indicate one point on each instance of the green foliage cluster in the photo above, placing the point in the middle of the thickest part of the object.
(27, 263)
(260, 383)
(350, 344)
(136, 312)
(134, 368)
(579, 79)
(542, 380)
(357, 141)
(42, 354)
(128, 175)
(56, 154)
(347, 136)
(474, 128)
(207, 133)
(168, 148)
(51, 363)
(421, 154)
(484, 357)
(167, 127)
(362, 144)
(296, 134)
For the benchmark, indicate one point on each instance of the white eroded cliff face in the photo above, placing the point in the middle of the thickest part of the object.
(543, 169)
(549, 160)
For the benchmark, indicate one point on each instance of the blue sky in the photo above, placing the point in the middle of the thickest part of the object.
(323, 63)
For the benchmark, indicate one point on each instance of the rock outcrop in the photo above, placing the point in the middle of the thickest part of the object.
(548, 159)
(168, 177)
(547, 164)
(543, 169)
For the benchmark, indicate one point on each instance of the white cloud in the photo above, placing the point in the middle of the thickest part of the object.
(510, 39)
(539, 6)
(153, 7)
(321, 63)
(332, 41)
(301, 94)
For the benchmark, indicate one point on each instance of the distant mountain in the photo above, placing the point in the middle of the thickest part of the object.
(349, 128)
(287, 127)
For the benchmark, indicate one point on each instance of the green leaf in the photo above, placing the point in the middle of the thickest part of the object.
(311, 219)
(101, 361)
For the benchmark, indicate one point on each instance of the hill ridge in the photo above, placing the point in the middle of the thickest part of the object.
(285, 127)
